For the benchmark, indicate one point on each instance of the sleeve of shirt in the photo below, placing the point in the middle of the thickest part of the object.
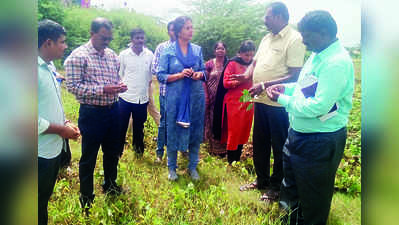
(163, 68)
(332, 81)
(227, 83)
(151, 59)
(201, 65)
(122, 66)
(289, 88)
(43, 125)
(74, 68)
(155, 61)
(296, 53)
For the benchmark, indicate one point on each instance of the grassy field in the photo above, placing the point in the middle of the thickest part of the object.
(151, 199)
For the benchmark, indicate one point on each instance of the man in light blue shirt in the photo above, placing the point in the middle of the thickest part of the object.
(161, 140)
(52, 126)
(318, 106)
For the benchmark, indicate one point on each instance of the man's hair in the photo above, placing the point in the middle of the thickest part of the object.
(136, 31)
(279, 8)
(318, 20)
(179, 24)
(246, 46)
(99, 22)
(170, 24)
(48, 29)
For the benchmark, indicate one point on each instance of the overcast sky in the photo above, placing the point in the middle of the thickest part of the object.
(347, 13)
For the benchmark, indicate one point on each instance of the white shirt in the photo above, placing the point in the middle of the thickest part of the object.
(135, 72)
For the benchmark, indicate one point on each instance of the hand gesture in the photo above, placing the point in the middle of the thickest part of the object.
(274, 91)
(197, 75)
(255, 89)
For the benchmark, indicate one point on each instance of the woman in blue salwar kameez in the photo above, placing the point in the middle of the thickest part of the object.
(181, 67)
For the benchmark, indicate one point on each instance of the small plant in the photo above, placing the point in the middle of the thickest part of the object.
(246, 99)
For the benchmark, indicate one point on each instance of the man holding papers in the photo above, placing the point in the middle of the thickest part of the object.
(318, 106)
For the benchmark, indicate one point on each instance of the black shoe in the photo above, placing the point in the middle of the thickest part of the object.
(112, 189)
(85, 203)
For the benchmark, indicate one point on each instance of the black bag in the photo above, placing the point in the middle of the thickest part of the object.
(66, 155)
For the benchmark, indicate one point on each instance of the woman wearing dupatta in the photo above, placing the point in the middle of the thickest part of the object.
(181, 67)
(213, 68)
(232, 121)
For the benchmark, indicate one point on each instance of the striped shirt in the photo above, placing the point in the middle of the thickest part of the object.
(88, 71)
(155, 64)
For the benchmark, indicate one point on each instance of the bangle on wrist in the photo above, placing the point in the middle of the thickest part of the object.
(262, 85)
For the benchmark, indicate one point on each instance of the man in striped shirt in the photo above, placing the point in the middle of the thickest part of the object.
(92, 76)
(161, 141)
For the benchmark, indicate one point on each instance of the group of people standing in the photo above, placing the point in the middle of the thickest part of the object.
(300, 111)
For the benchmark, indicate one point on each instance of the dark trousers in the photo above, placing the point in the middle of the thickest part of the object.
(270, 132)
(47, 175)
(98, 126)
(310, 163)
(139, 116)
(234, 155)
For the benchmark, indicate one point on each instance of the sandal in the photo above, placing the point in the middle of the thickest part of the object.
(250, 186)
(270, 196)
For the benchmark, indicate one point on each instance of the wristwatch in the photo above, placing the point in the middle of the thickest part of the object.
(262, 85)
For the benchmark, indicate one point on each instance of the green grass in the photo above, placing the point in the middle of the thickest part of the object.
(151, 199)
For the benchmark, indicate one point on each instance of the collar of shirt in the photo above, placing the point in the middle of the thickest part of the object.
(327, 52)
(134, 54)
(93, 51)
(283, 32)
(42, 63)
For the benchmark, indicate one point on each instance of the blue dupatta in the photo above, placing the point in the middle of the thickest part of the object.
(188, 61)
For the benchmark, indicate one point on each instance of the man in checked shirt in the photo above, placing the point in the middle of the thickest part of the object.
(92, 76)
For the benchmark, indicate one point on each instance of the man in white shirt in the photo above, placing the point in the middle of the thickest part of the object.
(135, 65)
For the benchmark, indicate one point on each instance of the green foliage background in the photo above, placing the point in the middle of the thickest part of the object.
(77, 23)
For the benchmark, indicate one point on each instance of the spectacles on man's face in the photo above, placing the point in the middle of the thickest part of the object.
(104, 39)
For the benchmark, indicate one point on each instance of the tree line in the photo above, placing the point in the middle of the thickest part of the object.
(230, 21)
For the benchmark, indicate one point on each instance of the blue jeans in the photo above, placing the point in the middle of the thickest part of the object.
(161, 141)
(193, 158)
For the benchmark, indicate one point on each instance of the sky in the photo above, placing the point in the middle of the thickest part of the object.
(347, 13)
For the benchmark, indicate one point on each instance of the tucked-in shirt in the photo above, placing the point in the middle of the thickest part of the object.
(275, 54)
(333, 70)
(88, 71)
(135, 72)
(155, 64)
(49, 111)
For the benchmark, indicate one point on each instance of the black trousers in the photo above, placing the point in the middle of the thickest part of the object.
(47, 175)
(139, 116)
(310, 163)
(234, 155)
(99, 126)
(270, 132)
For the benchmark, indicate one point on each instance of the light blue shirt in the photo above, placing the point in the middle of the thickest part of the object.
(49, 111)
(332, 69)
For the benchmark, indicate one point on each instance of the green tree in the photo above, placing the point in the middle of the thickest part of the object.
(231, 21)
(51, 9)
